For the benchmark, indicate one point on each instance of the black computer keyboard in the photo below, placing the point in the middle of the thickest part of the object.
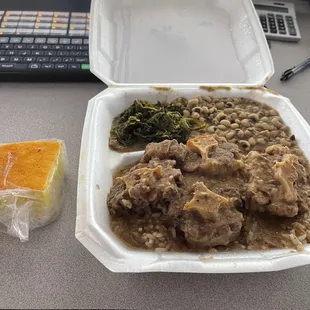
(45, 45)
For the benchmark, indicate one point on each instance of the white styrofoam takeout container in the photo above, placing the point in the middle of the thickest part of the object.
(183, 45)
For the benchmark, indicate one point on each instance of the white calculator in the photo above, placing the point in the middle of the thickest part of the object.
(278, 20)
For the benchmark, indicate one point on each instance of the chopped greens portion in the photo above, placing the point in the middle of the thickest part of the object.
(146, 122)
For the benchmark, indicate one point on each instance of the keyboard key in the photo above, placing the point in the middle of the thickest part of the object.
(46, 13)
(45, 47)
(9, 24)
(52, 41)
(64, 41)
(7, 46)
(24, 53)
(81, 59)
(61, 20)
(41, 32)
(43, 25)
(2, 52)
(59, 26)
(28, 18)
(48, 66)
(26, 25)
(14, 13)
(77, 41)
(10, 53)
(7, 66)
(20, 46)
(62, 53)
(43, 59)
(77, 26)
(40, 40)
(28, 40)
(44, 19)
(68, 59)
(86, 41)
(30, 59)
(74, 66)
(50, 53)
(16, 59)
(37, 53)
(78, 20)
(85, 54)
(58, 32)
(33, 46)
(282, 31)
(34, 66)
(70, 47)
(75, 53)
(24, 31)
(61, 14)
(14, 40)
(78, 15)
(76, 33)
(292, 32)
(6, 31)
(82, 47)
(29, 13)
(11, 19)
(57, 47)
(85, 67)
(56, 59)
(4, 39)
(4, 58)
(61, 66)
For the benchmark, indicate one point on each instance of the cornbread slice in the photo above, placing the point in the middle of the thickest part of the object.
(31, 182)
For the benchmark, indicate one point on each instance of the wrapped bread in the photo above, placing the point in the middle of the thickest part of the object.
(31, 185)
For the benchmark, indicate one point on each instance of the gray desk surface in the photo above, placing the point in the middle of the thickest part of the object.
(53, 270)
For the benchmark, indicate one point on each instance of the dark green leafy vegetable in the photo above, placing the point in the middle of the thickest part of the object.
(146, 122)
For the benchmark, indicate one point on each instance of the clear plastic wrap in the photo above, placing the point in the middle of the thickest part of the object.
(31, 185)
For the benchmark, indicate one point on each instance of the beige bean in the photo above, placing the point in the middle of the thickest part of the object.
(229, 104)
(245, 122)
(276, 122)
(202, 119)
(195, 115)
(220, 116)
(273, 133)
(228, 110)
(240, 134)
(264, 119)
(261, 141)
(282, 134)
(225, 122)
(199, 97)
(219, 105)
(237, 121)
(273, 112)
(215, 122)
(254, 117)
(212, 110)
(197, 109)
(205, 110)
(230, 135)
(207, 99)
(234, 125)
(211, 129)
(186, 113)
(245, 144)
(255, 109)
(242, 115)
(222, 127)
(247, 133)
(234, 115)
(265, 126)
(252, 141)
(193, 102)
(265, 133)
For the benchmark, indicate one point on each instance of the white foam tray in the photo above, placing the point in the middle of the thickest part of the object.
(98, 162)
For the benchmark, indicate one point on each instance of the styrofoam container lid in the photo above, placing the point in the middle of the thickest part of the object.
(178, 43)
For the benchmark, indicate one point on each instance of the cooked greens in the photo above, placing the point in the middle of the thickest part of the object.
(145, 122)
